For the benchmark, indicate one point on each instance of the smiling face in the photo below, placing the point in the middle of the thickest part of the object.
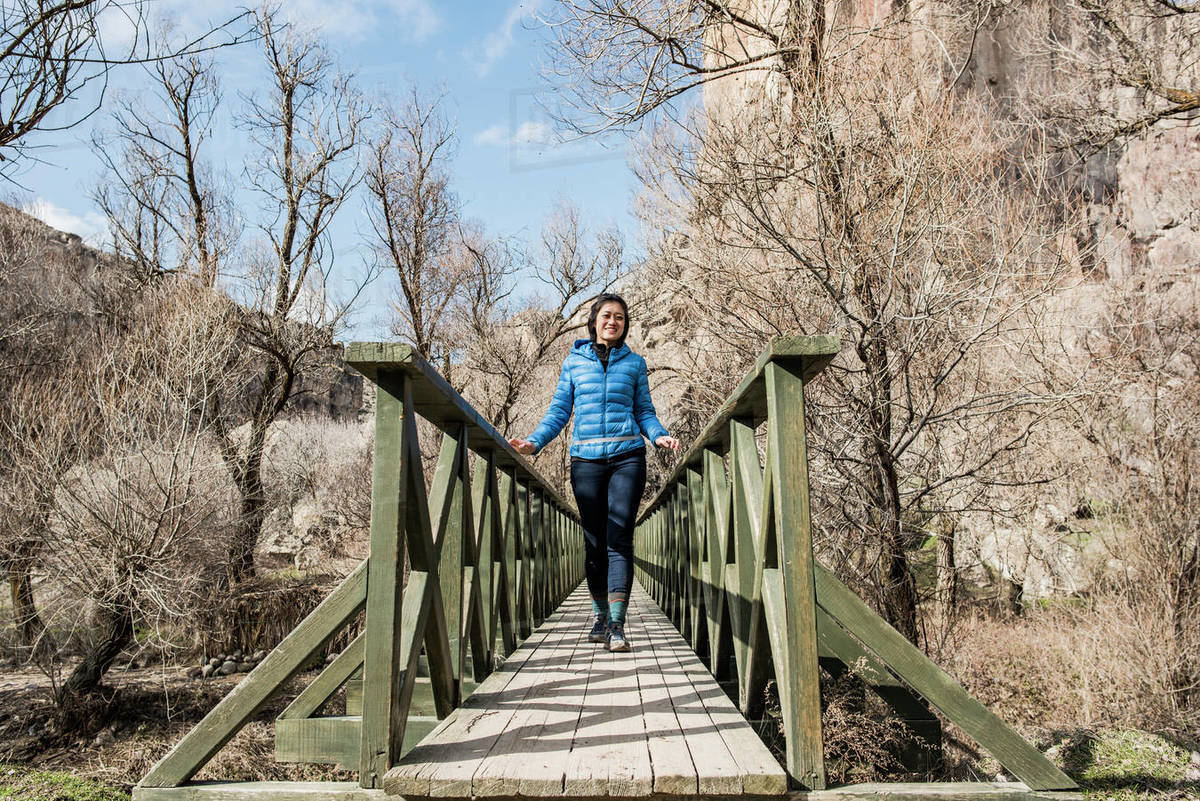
(610, 323)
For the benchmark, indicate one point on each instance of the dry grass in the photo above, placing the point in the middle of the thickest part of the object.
(1069, 665)
(148, 711)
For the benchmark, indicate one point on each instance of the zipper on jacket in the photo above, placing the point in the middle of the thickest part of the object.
(604, 398)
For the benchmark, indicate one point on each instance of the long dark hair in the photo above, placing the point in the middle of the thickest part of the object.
(608, 297)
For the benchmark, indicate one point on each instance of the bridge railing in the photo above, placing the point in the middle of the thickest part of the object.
(725, 548)
(461, 568)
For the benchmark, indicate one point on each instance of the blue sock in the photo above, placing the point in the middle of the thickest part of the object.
(616, 611)
(599, 608)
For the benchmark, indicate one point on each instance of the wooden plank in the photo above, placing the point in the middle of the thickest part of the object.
(936, 791)
(542, 768)
(630, 773)
(382, 729)
(938, 687)
(717, 772)
(332, 677)
(760, 773)
(606, 701)
(330, 740)
(467, 730)
(350, 791)
(260, 685)
(787, 452)
(260, 791)
(526, 759)
(670, 758)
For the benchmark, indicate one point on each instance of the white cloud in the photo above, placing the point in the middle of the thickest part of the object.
(92, 227)
(487, 53)
(530, 133)
(415, 20)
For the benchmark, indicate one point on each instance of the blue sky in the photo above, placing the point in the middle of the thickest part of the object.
(511, 166)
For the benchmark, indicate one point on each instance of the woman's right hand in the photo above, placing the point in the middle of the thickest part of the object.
(521, 446)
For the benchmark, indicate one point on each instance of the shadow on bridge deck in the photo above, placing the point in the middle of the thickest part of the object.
(565, 718)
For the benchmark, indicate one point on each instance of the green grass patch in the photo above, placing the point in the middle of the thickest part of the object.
(22, 783)
(1128, 765)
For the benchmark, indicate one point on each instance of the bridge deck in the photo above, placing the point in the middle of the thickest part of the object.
(565, 718)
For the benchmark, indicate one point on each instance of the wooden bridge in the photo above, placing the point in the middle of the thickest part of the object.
(472, 676)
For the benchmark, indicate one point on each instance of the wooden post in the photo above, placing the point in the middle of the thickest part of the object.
(383, 720)
(788, 450)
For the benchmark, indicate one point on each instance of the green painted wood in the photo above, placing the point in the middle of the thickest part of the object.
(331, 679)
(474, 616)
(350, 791)
(429, 620)
(935, 791)
(537, 533)
(336, 740)
(485, 539)
(747, 527)
(807, 355)
(382, 729)
(260, 791)
(938, 687)
(788, 454)
(699, 639)
(446, 496)
(438, 402)
(717, 526)
(354, 696)
(506, 589)
(245, 700)
(760, 665)
(326, 741)
(845, 648)
(524, 572)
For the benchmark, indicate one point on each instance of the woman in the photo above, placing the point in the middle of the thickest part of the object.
(605, 382)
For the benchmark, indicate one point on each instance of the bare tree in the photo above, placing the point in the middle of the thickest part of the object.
(1140, 414)
(1095, 73)
(307, 128)
(167, 207)
(44, 328)
(172, 214)
(417, 219)
(509, 342)
(132, 523)
(52, 50)
(848, 189)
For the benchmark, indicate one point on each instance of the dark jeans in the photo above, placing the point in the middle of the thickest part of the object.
(607, 494)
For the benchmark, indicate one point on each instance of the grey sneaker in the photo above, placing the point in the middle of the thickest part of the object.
(599, 627)
(616, 637)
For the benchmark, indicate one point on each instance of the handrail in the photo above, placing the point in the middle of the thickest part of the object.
(683, 540)
(807, 355)
(725, 548)
(460, 567)
(439, 403)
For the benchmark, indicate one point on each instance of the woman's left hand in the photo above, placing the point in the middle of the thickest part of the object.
(670, 443)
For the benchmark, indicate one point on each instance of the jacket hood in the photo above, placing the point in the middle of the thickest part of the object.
(584, 348)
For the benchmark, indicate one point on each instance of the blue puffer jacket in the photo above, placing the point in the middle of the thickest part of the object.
(612, 407)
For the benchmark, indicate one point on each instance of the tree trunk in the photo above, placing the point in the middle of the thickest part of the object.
(1013, 593)
(114, 630)
(947, 570)
(253, 512)
(31, 631)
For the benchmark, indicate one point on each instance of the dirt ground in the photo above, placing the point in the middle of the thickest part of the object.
(144, 711)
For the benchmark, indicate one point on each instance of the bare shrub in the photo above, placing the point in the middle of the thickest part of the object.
(878, 207)
(140, 506)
